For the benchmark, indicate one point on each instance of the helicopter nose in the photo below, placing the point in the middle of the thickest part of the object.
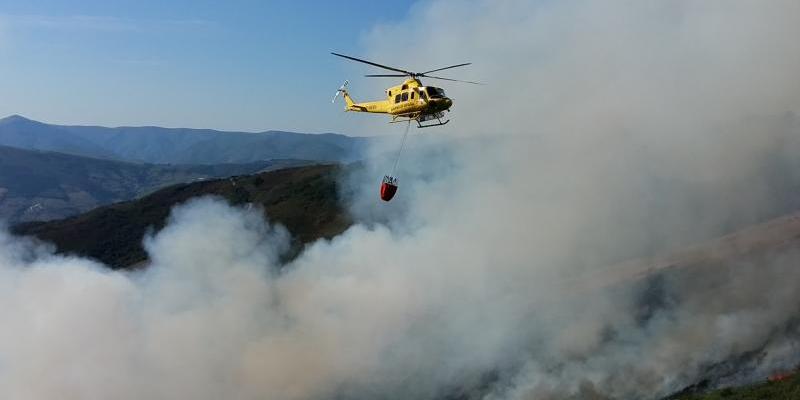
(441, 104)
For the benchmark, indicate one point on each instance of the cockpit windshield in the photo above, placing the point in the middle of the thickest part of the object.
(434, 92)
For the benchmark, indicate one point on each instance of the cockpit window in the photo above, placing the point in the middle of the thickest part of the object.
(434, 92)
(405, 96)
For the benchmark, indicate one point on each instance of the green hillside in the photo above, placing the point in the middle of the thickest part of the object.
(304, 199)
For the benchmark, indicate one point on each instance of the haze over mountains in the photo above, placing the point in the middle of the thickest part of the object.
(43, 185)
(177, 145)
(54, 171)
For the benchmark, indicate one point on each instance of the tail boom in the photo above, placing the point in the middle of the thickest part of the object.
(381, 106)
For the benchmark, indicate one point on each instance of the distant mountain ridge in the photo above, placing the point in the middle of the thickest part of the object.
(43, 185)
(178, 145)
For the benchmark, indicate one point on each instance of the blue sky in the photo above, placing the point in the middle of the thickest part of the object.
(237, 65)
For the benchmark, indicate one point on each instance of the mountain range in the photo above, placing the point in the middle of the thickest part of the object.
(52, 171)
(45, 185)
(178, 145)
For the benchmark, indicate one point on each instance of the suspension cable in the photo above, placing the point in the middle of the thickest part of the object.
(402, 144)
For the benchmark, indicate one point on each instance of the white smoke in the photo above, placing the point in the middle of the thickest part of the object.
(609, 130)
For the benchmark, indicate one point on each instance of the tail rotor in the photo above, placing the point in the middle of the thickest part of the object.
(340, 90)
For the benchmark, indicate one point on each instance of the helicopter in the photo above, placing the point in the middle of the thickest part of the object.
(408, 101)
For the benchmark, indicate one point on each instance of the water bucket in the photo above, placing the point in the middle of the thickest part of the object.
(388, 187)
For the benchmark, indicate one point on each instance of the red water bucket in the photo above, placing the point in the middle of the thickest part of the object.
(388, 188)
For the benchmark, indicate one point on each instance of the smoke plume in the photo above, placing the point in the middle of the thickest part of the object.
(608, 131)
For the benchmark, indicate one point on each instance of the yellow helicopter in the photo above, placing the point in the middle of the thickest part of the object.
(409, 101)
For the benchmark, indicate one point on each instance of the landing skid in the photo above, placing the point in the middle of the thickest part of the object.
(419, 124)
(422, 118)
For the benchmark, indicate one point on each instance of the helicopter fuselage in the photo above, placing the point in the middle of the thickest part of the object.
(410, 99)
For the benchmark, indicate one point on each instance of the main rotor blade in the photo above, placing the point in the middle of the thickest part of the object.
(454, 80)
(385, 75)
(440, 69)
(372, 63)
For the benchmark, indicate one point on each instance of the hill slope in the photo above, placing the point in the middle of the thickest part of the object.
(178, 145)
(304, 199)
(38, 185)
(787, 389)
